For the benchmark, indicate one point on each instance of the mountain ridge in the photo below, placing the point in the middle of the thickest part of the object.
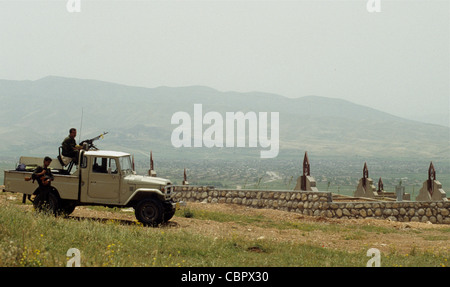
(328, 126)
(317, 99)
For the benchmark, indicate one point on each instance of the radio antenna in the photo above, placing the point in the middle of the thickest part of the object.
(81, 125)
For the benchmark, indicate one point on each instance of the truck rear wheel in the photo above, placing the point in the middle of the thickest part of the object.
(149, 212)
(46, 202)
(66, 207)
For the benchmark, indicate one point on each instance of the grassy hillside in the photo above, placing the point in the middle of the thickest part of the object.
(211, 236)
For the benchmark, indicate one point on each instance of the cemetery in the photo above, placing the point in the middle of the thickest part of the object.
(430, 206)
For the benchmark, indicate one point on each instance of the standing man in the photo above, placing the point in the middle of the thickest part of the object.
(70, 147)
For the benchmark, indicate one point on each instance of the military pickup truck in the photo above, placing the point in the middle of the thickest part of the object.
(102, 178)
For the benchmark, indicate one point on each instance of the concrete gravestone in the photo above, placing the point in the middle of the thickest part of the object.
(431, 189)
(365, 186)
(306, 182)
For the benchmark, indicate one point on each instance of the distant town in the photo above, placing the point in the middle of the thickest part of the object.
(333, 175)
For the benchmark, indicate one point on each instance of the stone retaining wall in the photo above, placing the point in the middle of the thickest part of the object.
(318, 204)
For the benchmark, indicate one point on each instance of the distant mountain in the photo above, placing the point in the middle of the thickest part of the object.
(442, 119)
(35, 116)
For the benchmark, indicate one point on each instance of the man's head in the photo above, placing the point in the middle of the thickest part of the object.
(47, 161)
(73, 133)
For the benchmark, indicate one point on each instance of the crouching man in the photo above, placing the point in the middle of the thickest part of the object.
(44, 199)
(43, 174)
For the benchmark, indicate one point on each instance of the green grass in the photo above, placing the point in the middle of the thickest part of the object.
(31, 239)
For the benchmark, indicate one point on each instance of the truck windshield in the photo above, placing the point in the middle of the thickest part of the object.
(125, 164)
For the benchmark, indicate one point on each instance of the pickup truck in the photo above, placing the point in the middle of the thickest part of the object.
(101, 178)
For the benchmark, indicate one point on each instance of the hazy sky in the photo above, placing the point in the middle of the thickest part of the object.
(397, 60)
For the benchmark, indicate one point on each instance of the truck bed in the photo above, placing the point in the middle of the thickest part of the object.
(67, 185)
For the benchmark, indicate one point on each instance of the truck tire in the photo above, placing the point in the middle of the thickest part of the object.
(149, 212)
(66, 207)
(46, 202)
(169, 212)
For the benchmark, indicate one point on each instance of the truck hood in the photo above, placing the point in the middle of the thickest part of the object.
(144, 180)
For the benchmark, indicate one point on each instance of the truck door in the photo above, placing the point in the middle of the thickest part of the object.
(104, 181)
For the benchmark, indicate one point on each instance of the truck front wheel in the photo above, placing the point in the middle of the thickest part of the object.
(149, 212)
(169, 211)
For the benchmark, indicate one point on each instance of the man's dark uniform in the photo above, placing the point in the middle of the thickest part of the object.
(68, 149)
(43, 188)
(48, 175)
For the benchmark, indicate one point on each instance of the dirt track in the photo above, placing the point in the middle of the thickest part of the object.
(351, 234)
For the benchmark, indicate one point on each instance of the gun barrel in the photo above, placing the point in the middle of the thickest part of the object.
(90, 141)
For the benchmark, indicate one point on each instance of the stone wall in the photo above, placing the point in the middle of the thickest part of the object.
(318, 204)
